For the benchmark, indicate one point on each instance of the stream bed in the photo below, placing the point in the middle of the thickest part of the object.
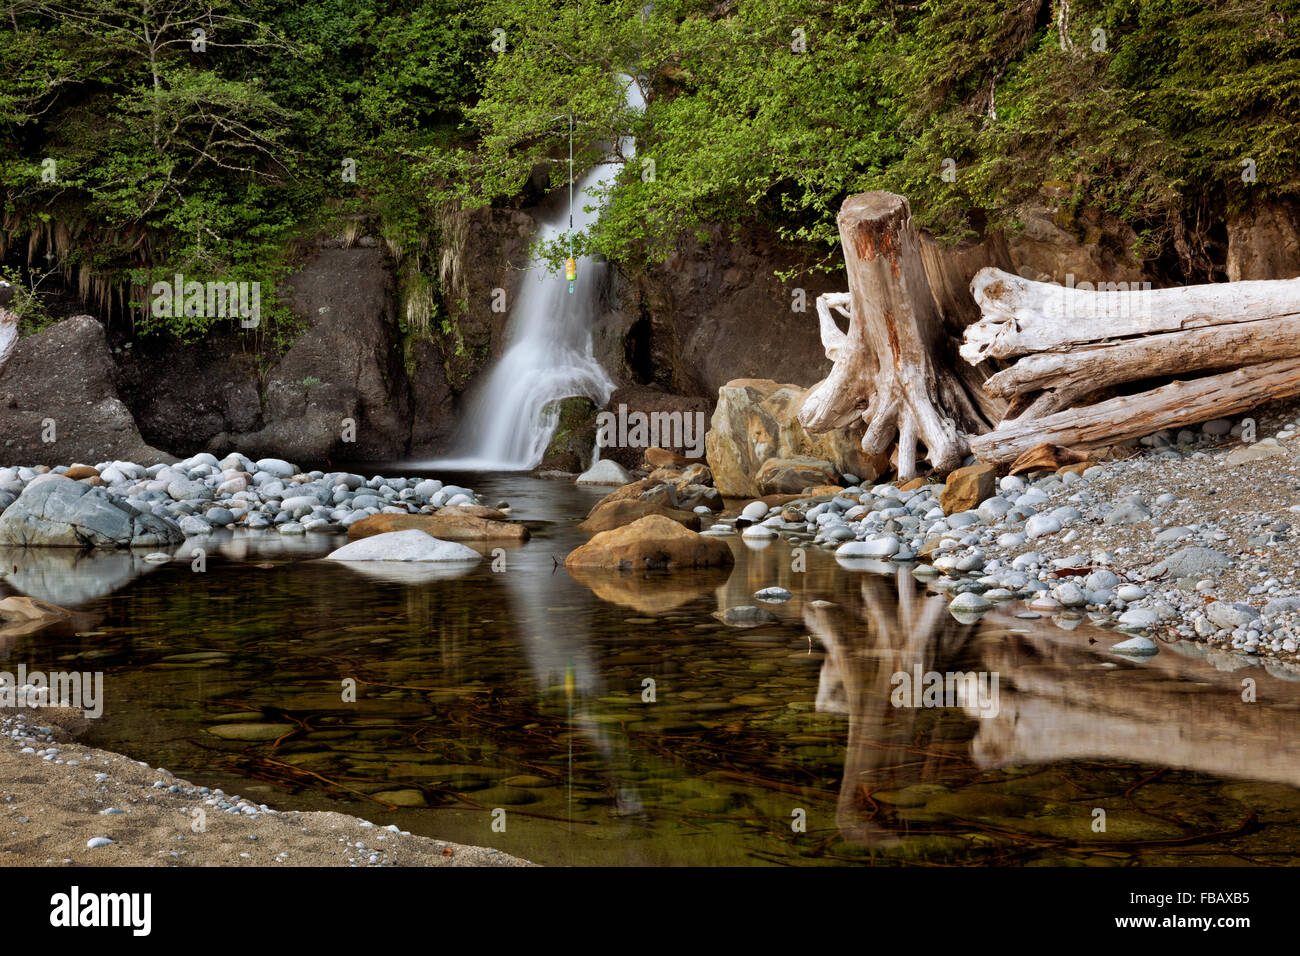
(618, 721)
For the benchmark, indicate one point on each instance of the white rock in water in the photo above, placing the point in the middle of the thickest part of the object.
(410, 545)
(758, 531)
(1142, 617)
(774, 595)
(754, 511)
(1136, 647)
(885, 546)
(970, 601)
(605, 472)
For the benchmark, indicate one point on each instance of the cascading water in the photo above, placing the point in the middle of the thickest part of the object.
(548, 354)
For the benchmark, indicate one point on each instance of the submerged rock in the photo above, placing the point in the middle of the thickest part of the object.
(747, 615)
(1136, 647)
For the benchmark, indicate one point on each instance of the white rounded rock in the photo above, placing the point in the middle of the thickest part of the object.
(1039, 525)
(409, 545)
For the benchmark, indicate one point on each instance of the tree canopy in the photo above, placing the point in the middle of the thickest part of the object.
(139, 138)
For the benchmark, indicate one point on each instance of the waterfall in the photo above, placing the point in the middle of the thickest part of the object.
(548, 351)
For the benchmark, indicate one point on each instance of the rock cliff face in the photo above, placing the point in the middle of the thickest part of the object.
(59, 401)
(714, 312)
(1264, 244)
(344, 390)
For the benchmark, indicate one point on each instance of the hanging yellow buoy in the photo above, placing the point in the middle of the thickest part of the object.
(570, 268)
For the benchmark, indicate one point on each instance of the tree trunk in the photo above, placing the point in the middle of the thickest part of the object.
(889, 368)
(8, 325)
(1132, 416)
(1021, 316)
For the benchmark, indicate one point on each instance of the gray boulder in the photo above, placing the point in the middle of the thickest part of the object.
(58, 512)
(1191, 562)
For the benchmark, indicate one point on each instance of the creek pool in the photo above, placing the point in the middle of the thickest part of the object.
(618, 721)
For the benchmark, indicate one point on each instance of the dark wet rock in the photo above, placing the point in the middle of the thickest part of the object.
(58, 512)
(60, 385)
(574, 438)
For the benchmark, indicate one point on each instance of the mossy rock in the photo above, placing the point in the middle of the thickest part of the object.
(574, 438)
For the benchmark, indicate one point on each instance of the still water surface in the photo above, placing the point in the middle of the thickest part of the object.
(527, 691)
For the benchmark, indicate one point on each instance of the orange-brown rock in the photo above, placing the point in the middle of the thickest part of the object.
(814, 491)
(20, 608)
(632, 490)
(916, 482)
(445, 527)
(662, 457)
(758, 419)
(967, 487)
(615, 514)
(788, 475)
(651, 543)
(474, 511)
(77, 472)
(697, 474)
(1047, 457)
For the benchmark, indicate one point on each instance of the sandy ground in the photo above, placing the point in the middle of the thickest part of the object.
(56, 797)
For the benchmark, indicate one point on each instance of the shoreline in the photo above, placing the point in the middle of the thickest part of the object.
(1184, 536)
(60, 795)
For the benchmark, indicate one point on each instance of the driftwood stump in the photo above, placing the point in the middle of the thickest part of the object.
(893, 368)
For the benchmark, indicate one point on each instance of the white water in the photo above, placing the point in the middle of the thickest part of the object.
(548, 353)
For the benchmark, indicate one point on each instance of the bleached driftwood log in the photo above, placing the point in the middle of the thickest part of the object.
(1132, 416)
(8, 325)
(889, 368)
(1066, 377)
(1021, 316)
(1072, 342)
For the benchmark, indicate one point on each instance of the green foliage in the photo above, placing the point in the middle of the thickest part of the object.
(208, 159)
(26, 304)
(213, 162)
(1150, 123)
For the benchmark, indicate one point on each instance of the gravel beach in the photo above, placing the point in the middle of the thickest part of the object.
(1188, 535)
(66, 804)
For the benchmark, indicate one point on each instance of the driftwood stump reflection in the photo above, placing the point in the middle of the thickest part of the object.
(880, 626)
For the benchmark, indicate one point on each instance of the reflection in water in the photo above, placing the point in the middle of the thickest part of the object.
(527, 690)
(66, 576)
